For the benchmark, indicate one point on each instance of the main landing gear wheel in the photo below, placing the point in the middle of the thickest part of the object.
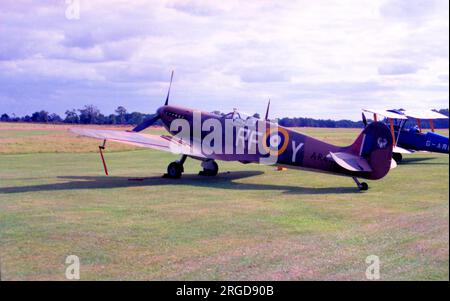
(210, 168)
(397, 157)
(361, 186)
(175, 169)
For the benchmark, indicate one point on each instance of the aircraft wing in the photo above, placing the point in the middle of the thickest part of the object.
(393, 164)
(385, 113)
(163, 143)
(351, 162)
(401, 150)
(426, 114)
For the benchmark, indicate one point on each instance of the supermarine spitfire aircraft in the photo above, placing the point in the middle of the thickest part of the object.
(410, 140)
(237, 137)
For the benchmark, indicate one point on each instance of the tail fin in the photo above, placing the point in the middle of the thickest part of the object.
(374, 144)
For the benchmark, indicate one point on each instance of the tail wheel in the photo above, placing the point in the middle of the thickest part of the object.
(174, 170)
(364, 186)
(361, 186)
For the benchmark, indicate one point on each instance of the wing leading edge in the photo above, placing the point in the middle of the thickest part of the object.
(162, 143)
(425, 114)
(385, 113)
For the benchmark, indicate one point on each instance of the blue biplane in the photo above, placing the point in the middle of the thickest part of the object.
(408, 140)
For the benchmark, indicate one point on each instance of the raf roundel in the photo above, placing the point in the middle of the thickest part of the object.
(276, 141)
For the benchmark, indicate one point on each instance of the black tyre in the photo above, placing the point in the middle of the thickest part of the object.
(364, 186)
(397, 157)
(215, 170)
(212, 171)
(174, 170)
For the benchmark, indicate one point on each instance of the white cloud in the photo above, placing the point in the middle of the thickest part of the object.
(313, 58)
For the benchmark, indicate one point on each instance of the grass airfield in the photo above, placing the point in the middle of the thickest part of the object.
(248, 223)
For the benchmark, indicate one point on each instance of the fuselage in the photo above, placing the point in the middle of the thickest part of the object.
(429, 141)
(279, 145)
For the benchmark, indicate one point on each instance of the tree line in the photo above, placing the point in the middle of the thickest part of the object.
(90, 114)
(328, 123)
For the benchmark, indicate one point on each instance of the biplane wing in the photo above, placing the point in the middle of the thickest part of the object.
(389, 114)
(401, 150)
(413, 139)
(162, 143)
(427, 114)
(385, 113)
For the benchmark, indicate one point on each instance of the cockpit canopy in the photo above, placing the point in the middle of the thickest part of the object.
(237, 115)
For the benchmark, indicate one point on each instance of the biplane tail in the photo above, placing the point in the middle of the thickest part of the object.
(370, 154)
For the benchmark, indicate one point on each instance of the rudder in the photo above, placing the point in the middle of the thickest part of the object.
(374, 144)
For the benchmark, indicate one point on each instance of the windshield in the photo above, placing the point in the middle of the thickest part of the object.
(237, 115)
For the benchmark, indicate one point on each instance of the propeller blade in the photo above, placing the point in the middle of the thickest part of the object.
(146, 123)
(168, 92)
(364, 120)
(267, 111)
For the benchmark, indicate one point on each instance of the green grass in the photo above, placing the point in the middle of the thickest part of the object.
(16, 134)
(248, 223)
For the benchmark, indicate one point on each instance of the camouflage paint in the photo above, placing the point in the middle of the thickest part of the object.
(297, 150)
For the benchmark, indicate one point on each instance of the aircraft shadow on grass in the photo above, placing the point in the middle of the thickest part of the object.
(225, 180)
(421, 160)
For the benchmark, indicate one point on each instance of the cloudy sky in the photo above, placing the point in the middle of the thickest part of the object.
(322, 59)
